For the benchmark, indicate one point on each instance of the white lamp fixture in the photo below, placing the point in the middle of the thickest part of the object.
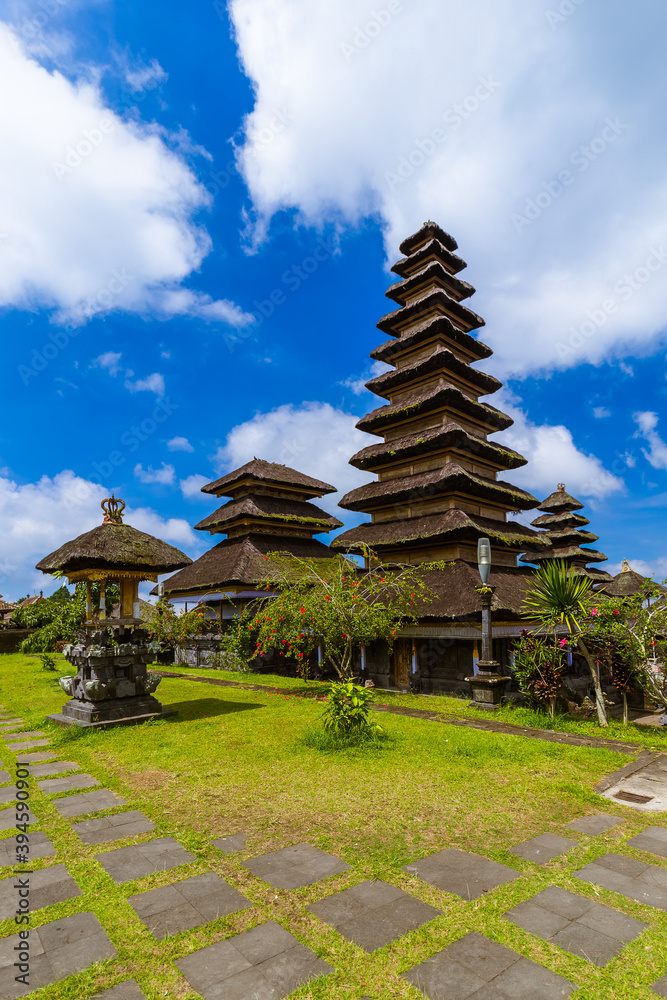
(484, 558)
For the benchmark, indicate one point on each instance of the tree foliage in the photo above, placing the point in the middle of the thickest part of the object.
(539, 665)
(59, 620)
(167, 627)
(332, 604)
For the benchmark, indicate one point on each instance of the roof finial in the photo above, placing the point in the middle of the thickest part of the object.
(561, 487)
(625, 567)
(113, 510)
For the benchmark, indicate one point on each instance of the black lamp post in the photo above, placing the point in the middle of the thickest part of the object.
(488, 686)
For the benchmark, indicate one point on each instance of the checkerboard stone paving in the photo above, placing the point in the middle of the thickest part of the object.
(594, 825)
(660, 988)
(294, 867)
(642, 882)
(57, 950)
(475, 966)
(40, 847)
(115, 827)
(465, 875)
(88, 802)
(187, 904)
(27, 744)
(234, 842)
(47, 886)
(578, 925)
(127, 863)
(33, 758)
(52, 786)
(373, 913)
(123, 991)
(7, 795)
(8, 818)
(264, 963)
(544, 848)
(653, 839)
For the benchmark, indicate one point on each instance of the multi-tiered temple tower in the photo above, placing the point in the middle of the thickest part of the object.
(563, 528)
(438, 489)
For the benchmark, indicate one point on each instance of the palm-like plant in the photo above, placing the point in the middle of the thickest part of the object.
(560, 597)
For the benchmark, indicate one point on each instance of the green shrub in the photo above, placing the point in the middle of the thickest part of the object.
(48, 661)
(347, 710)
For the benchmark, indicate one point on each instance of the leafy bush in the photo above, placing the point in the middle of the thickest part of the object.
(347, 710)
(48, 661)
(539, 665)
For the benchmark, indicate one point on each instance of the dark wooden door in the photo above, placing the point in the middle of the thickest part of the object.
(402, 658)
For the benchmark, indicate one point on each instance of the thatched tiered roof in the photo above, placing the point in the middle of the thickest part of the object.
(564, 534)
(438, 489)
(627, 583)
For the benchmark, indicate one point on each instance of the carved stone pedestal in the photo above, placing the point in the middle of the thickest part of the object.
(112, 686)
(488, 686)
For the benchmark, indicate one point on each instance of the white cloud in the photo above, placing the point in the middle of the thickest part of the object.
(646, 424)
(141, 75)
(191, 487)
(40, 517)
(358, 385)
(600, 412)
(504, 89)
(165, 475)
(656, 568)
(153, 383)
(314, 438)
(110, 361)
(179, 444)
(97, 211)
(553, 457)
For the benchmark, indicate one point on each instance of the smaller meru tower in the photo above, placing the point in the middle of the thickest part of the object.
(565, 531)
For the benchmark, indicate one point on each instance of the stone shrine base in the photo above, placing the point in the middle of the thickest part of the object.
(110, 712)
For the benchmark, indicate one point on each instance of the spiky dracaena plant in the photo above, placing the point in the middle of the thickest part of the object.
(560, 597)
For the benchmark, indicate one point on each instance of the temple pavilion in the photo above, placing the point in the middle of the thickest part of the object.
(627, 583)
(269, 510)
(438, 488)
(565, 530)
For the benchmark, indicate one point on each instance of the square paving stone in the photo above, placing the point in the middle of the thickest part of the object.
(4, 776)
(264, 963)
(235, 842)
(58, 949)
(544, 848)
(27, 745)
(653, 839)
(11, 724)
(660, 987)
(33, 758)
(115, 827)
(293, 867)
(594, 825)
(475, 966)
(48, 886)
(463, 874)
(33, 734)
(51, 786)
(7, 795)
(88, 802)
(373, 913)
(8, 818)
(40, 847)
(128, 863)
(54, 767)
(636, 880)
(577, 925)
(123, 991)
(187, 904)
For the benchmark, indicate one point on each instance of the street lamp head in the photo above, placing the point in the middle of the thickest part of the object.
(160, 590)
(484, 558)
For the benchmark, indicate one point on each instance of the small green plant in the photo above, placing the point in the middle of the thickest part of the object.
(48, 661)
(539, 665)
(347, 710)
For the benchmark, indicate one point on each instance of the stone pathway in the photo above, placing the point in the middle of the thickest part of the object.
(642, 784)
(267, 961)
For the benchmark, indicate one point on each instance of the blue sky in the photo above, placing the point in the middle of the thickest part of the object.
(199, 205)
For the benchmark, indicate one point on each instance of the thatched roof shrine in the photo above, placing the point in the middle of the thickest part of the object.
(565, 534)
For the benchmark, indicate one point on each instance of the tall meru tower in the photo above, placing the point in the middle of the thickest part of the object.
(437, 489)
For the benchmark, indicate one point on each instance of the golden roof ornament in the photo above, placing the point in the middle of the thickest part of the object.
(113, 510)
(625, 567)
(561, 487)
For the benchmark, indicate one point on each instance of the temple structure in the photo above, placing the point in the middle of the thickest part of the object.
(627, 583)
(564, 529)
(269, 511)
(438, 488)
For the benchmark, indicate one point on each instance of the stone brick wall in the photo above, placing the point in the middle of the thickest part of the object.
(11, 638)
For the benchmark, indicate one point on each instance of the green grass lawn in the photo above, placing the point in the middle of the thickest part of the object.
(649, 736)
(232, 761)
